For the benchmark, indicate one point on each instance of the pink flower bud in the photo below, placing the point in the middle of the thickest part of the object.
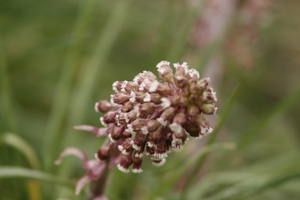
(103, 106)
(104, 152)
(119, 98)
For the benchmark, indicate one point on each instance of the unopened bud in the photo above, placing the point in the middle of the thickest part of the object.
(193, 110)
(208, 108)
(103, 153)
(152, 125)
(119, 98)
(103, 106)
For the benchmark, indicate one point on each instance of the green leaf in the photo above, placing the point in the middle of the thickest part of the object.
(20, 172)
(20, 144)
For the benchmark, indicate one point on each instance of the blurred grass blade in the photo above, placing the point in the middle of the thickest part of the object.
(20, 144)
(255, 129)
(211, 140)
(62, 95)
(179, 43)
(174, 176)
(270, 184)
(6, 90)
(19, 172)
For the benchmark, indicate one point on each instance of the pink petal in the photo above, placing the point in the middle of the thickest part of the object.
(84, 180)
(98, 132)
(71, 151)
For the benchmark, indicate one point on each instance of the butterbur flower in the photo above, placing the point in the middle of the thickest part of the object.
(152, 117)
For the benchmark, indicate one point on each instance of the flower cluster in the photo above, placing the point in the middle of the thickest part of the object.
(154, 118)
(148, 117)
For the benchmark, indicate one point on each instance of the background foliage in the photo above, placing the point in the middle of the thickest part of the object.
(57, 58)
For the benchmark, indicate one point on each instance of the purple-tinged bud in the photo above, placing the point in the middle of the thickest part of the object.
(152, 97)
(208, 108)
(181, 81)
(139, 140)
(149, 149)
(136, 164)
(127, 106)
(175, 100)
(125, 162)
(116, 134)
(153, 125)
(200, 119)
(144, 75)
(131, 116)
(103, 106)
(126, 134)
(194, 74)
(203, 83)
(178, 141)
(126, 147)
(145, 85)
(204, 125)
(180, 118)
(139, 153)
(109, 117)
(138, 96)
(138, 124)
(166, 116)
(161, 149)
(156, 136)
(209, 95)
(103, 153)
(149, 75)
(117, 86)
(165, 71)
(192, 110)
(131, 86)
(161, 88)
(194, 88)
(192, 128)
(147, 108)
(119, 98)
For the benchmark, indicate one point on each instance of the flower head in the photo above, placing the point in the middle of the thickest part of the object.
(151, 117)
(147, 117)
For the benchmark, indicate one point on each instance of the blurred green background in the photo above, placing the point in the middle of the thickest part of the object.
(58, 58)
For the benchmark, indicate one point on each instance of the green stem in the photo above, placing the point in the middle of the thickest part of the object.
(14, 172)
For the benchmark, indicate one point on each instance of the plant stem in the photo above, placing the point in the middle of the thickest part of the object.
(97, 188)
